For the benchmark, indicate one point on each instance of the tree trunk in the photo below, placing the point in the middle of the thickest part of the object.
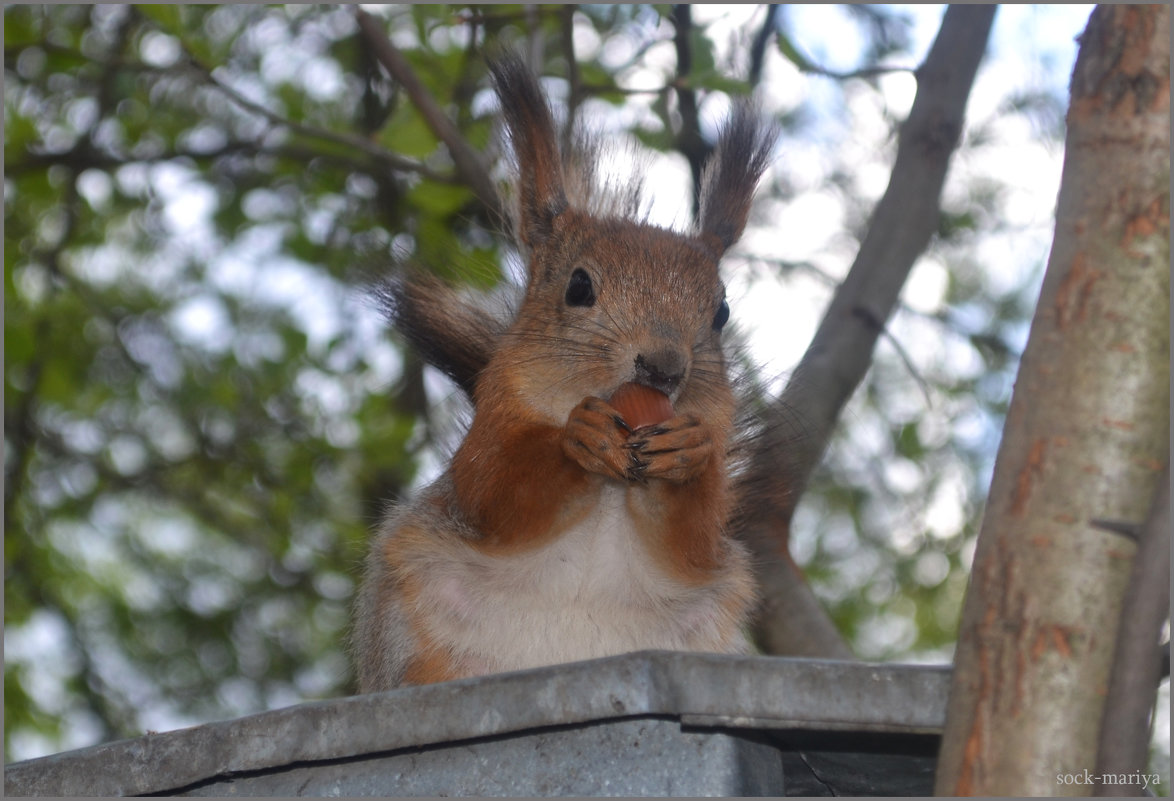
(1086, 437)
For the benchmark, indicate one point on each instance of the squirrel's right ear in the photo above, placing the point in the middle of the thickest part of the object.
(531, 128)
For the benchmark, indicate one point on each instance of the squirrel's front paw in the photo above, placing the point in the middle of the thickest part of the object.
(676, 450)
(595, 437)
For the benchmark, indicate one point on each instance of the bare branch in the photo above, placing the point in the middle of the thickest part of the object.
(382, 155)
(466, 159)
(805, 65)
(83, 158)
(841, 351)
(574, 80)
(761, 40)
(1133, 684)
(689, 140)
(599, 89)
(922, 384)
(863, 72)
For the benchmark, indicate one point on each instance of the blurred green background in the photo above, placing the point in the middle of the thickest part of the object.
(204, 414)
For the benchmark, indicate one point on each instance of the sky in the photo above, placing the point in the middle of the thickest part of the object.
(1032, 47)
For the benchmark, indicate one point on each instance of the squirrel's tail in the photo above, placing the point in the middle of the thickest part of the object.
(450, 331)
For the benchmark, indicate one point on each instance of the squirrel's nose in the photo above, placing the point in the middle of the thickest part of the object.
(662, 369)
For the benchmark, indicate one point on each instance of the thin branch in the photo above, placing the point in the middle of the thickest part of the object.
(381, 155)
(761, 40)
(638, 55)
(863, 72)
(950, 324)
(689, 140)
(467, 160)
(478, 17)
(191, 63)
(883, 330)
(841, 351)
(574, 81)
(1130, 531)
(1133, 683)
(21, 435)
(535, 55)
(602, 88)
(83, 158)
(396, 162)
(809, 67)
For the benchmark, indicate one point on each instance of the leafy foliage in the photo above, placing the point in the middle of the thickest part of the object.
(203, 416)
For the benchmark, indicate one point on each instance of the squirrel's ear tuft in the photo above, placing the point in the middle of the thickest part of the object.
(730, 177)
(541, 196)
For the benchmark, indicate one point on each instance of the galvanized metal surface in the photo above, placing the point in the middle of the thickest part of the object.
(634, 757)
(857, 774)
(696, 689)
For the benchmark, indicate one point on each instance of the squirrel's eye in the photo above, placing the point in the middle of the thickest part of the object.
(722, 317)
(580, 292)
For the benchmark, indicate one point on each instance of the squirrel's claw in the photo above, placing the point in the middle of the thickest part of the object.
(675, 451)
(595, 439)
(637, 468)
(600, 441)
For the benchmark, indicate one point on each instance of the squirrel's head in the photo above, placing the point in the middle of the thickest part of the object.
(611, 298)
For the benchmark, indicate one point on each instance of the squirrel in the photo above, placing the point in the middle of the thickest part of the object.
(585, 513)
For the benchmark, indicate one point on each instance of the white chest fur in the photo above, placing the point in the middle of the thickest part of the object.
(593, 591)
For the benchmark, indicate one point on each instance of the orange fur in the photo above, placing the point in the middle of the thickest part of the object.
(692, 530)
(513, 483)
(429, 665)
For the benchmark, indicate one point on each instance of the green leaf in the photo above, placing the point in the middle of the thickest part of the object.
(701, 47)
(952, 224)
(19, 133)
(908, 442)
(20, 27)
(18, 343)
(792, 54)
(593, 74)
(167, 16)
(718, 82)
(656, 140)
(408, 134)
(440, 200)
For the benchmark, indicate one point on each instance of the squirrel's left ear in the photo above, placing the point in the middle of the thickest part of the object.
(541, 196)
(730, 177)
